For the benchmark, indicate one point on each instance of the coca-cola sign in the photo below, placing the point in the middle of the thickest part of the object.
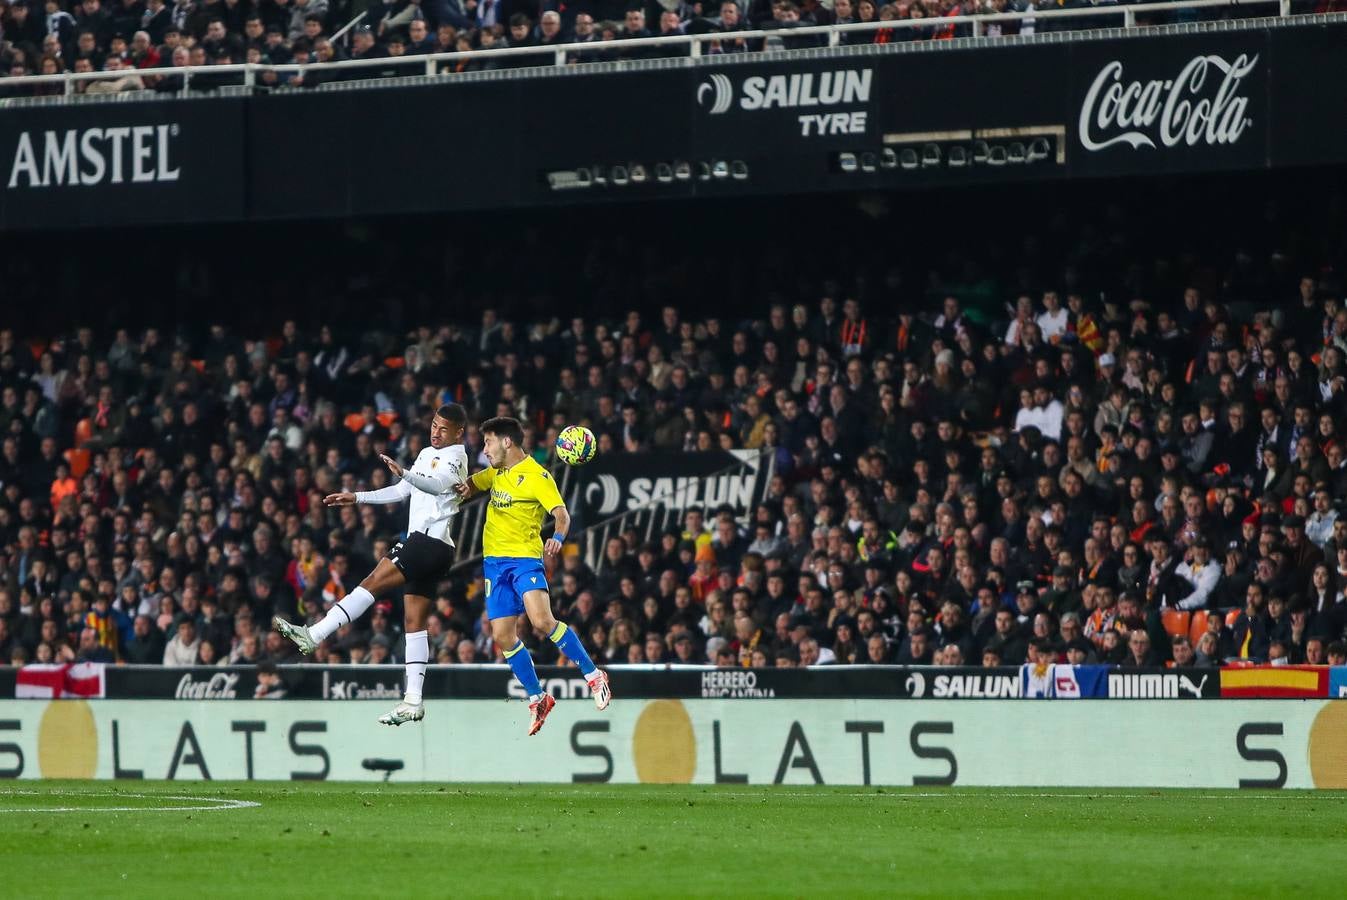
(221, 686)
(1201, 105)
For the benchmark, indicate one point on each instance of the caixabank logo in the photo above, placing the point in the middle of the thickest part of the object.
(828, 101)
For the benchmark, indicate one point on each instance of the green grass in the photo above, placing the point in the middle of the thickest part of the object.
(375, 840)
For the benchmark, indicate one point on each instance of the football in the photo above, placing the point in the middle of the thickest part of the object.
(576, 445)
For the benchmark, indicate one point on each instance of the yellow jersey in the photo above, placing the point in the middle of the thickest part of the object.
(521, 498)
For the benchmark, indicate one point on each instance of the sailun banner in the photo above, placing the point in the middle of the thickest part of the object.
(617, 483)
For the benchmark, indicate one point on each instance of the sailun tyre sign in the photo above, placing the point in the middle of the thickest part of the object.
(826, 103)
(786, 91)
(617, 483)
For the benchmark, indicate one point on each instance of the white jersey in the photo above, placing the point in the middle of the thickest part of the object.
(429, 482)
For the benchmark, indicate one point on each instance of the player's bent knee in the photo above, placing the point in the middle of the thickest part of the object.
(504, 634)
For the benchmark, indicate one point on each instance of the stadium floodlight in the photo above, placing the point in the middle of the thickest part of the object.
(720, 169)
(682, 170)
(703, 171)
(869, 162)
(847, 162)
(638, 174)
(569, 179)
(888, 158)
(619, 176)
(663, 173)
(739, 170)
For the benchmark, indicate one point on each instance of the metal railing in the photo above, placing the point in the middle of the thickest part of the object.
(249, 74)
(340, 35)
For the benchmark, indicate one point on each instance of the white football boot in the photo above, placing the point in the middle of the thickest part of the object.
(297, 633)
(404, 712)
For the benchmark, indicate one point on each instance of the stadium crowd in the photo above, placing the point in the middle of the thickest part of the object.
(1043, 476)
(125, 36)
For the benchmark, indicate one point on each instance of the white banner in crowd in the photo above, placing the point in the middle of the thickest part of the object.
(1233, 743)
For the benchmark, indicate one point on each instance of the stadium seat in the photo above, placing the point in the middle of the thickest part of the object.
(354, 421)
(1176, 621)
(395, 362)
(1198, 626)
(387, 418)
(1231, 616)
(84, 429)
(78, 460)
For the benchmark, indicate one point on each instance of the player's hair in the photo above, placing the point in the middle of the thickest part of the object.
(505, 427)
(453, 413)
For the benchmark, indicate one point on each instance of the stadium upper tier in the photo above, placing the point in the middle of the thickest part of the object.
(357, 54)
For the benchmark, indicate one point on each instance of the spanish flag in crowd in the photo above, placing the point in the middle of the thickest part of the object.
(1087, 332)
(1274, 681)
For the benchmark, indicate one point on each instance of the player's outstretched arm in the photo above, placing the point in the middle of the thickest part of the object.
(563, 527)
(441, 482)
(391, 494)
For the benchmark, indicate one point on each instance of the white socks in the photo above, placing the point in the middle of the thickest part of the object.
(418, 654)
(343, 612)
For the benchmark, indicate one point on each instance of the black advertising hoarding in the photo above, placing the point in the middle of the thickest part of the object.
(384, 683)
(615, 483)
(1201, 105)
(152, 162)
(1098, 104)
(1308, 91)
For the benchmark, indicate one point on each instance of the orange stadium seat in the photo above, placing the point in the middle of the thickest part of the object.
(387, 418)
(1231, 616)
(1176, 621)
(1198, 627)
(395, 362)
(354, 421)
(84, 429)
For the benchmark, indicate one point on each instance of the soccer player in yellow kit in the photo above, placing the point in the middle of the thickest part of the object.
(522, 493)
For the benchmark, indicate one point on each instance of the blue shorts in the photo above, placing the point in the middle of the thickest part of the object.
(508, 579)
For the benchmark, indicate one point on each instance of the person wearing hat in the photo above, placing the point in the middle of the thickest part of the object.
(1062, 596)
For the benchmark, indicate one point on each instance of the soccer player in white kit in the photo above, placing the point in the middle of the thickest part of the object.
(417, 562)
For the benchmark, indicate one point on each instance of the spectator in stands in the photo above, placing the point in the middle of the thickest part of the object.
(183, 649)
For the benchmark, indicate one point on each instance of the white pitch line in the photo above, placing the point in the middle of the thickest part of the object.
(219, 803)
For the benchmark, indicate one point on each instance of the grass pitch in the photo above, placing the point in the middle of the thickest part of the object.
(159, 839)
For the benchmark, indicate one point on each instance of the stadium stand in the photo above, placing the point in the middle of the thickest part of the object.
(980, 461)
(84, 36)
